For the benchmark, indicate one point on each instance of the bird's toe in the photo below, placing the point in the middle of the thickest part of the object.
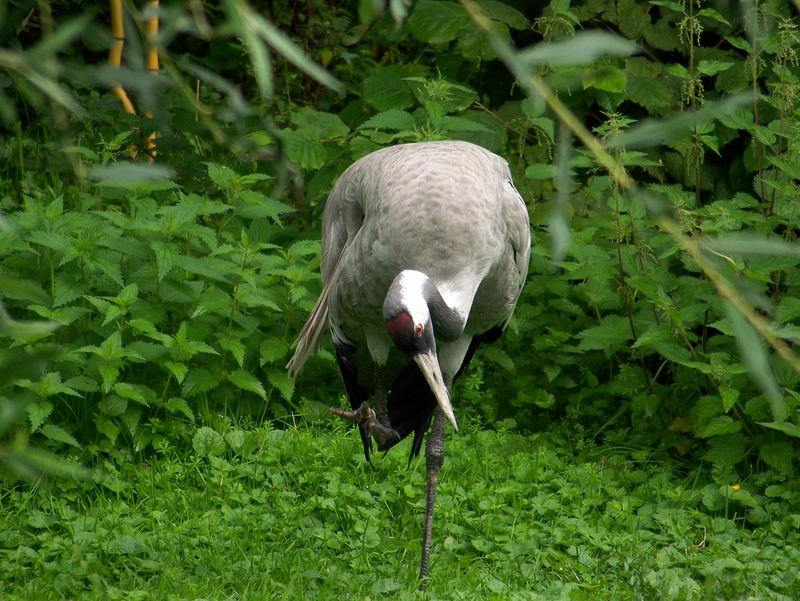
(386, 437)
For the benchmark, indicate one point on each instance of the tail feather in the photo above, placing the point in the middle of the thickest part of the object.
(309, 336)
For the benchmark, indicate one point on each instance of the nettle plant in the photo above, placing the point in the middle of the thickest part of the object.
(637, 322)
(619, 324)
(170, 304)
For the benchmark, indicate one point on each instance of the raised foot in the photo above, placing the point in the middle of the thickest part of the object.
(365, 417)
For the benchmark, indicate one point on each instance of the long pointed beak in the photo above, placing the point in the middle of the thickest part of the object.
(429, 365)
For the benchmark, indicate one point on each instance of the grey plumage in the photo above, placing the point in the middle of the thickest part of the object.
(425, 252)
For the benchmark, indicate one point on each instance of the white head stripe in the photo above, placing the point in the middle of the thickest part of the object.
(411, 295)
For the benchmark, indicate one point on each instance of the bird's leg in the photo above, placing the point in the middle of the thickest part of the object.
(434, 456)
(375, 424)
(382, 431)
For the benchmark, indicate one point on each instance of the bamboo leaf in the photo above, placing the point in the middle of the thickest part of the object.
(757, 361)
(752, 244)
(651, 132)
(582, 48)
(282, 44)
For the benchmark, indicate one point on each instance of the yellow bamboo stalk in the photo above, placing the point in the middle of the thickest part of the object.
(153, 67)
(115, 52)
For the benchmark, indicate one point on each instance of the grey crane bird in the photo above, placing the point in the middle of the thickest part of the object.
(425, 252)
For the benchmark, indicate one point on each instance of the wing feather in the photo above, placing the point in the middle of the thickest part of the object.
(341, 222)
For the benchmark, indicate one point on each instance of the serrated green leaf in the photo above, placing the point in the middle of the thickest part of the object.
(636, 22)
(106, 427)
(250, 297)
(111, 348)
(653, 335)
(21, 289)
(37, 413)
(391, 119)
(260, 206)
(321, 124)
(222, 175)
(503, 13)
(721, 424)
(304, 248)
(109, 374)
(57, 433)
(647, 85)
(281, 380)
(729, 397)
(68, 289)
(436, 22)
(165, 254)
(678, 70)
(246, 381)
(713, 67)
(272, 349)
(138, 393)
(474, 45)
(540, 171)
(788, 309)
(713, 14)
(208, 267)
(113, 405)
(459, 124)
(385, 88)
(785, 427)
(778, 455)
(726, 450)
(57, 242)
(178, 370)
(198, 381)
(740, 118)
(179, 405)
(304, 148)
(234, 347)
(62, 315)
(613, 330)
(607, 78)
(498, 356)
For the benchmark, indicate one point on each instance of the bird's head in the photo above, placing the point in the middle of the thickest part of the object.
(408, 321)
(407, 315)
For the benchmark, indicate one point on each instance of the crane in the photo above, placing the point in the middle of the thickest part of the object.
(425, 252)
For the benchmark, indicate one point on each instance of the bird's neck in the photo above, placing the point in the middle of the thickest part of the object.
(412, 288)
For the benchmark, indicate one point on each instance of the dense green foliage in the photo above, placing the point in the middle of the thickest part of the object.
(295, 513)
(142, 301)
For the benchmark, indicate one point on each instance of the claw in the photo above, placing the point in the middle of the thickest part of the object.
(366, 418)
(359, 416)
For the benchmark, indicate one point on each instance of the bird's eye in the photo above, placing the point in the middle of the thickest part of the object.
(419, 329)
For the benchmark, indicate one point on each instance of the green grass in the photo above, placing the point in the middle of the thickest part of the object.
(289, 514)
